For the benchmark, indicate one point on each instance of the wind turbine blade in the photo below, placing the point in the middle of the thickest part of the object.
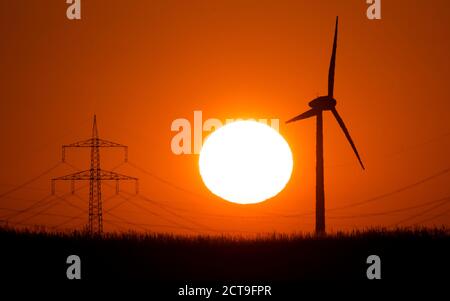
(333, 62)
(347, 134)
(305, 115)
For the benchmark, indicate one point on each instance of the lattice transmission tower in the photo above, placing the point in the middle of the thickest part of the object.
(95, 175)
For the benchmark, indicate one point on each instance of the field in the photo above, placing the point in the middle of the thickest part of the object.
(420, 253)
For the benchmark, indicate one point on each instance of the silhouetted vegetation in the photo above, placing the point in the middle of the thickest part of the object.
(405, 253)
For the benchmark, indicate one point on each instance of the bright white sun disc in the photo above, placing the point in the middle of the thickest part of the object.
(245, 162)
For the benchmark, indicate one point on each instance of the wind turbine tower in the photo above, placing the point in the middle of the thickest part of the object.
(318, 106)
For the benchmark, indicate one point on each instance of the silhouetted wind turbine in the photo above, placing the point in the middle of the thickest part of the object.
(318, 105)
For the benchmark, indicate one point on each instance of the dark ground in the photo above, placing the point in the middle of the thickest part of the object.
(405, 254)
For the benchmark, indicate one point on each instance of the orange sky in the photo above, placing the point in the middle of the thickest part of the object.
(141, 64)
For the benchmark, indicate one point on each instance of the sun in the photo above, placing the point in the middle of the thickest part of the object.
(245, 162)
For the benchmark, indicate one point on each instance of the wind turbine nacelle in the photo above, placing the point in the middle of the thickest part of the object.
(323, 103)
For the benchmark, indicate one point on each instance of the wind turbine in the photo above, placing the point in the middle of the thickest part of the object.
(318, 105)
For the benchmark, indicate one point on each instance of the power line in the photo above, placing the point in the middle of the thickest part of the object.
(46, 214)
(160, 203)
(115, 224)
(391, 211)
(123, 220)
(162, 217)
(432, 218)
(394, 192)
(166, 182)
(199, 225)
(30, 180)
(444, 202)
(28, 187)
(400, 151)
(18, 223)
(175, 214)
(49, 202)
(37, 204)
(445, 171)
(144, 224)
(165, 218)
(19, 199)
(69, 220)
(356, 204)
(117, 205)
(70, 204)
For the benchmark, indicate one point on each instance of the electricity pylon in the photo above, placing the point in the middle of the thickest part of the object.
(95, 175)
